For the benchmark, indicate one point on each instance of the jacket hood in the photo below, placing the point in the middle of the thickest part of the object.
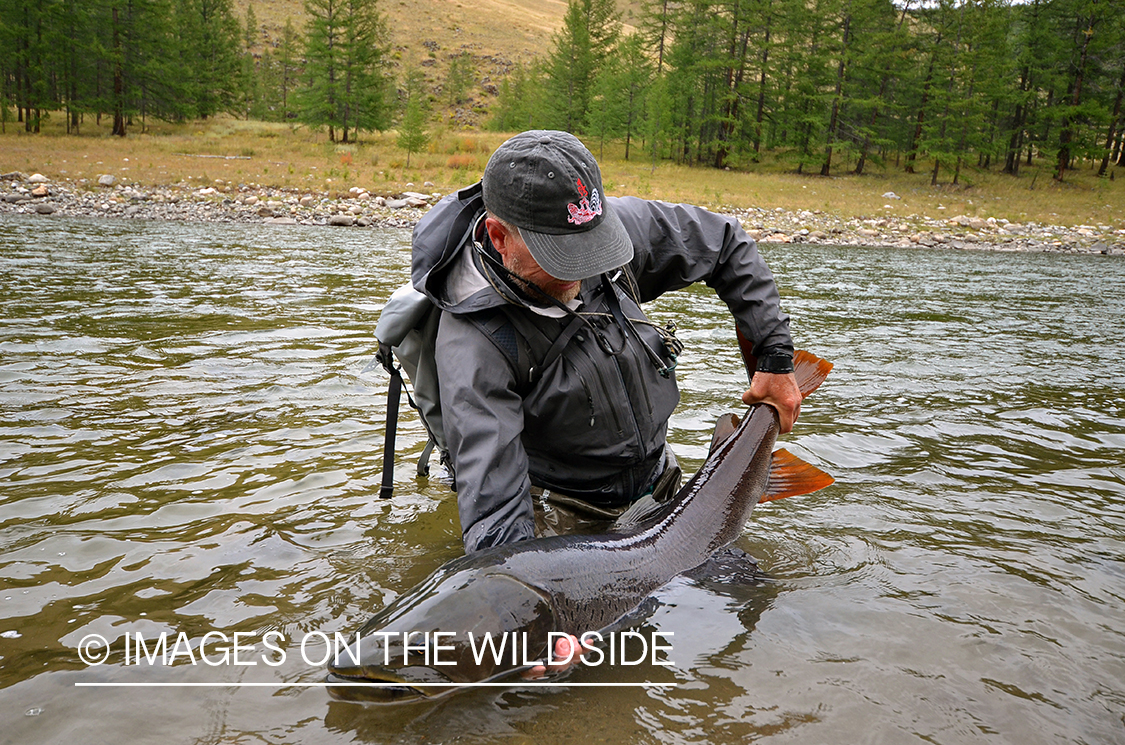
(440, 244)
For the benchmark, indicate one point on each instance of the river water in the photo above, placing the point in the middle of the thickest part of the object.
(190, 444)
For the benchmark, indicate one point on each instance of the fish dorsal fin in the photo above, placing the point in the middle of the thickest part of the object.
(809, 370)
(791, 476)
(724, 428)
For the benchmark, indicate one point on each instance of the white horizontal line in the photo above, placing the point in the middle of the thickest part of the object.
(375, 685)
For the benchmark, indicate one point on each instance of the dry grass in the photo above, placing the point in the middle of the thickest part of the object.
(283, 156)
(237, 151)
(1034, 196)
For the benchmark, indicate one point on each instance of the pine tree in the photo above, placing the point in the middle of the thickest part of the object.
(522, 101)
(345, 43)
(287, 67)
(412, 133)
(459, 78)
(579, 51)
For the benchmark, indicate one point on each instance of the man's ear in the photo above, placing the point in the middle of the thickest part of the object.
(499, 236)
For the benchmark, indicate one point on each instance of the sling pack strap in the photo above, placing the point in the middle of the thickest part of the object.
(394, 393)
(541, 346)
(572, 328)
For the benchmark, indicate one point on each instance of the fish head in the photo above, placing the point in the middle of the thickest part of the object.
(472, 626)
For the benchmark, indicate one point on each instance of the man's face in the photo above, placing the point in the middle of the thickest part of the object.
(519, 261)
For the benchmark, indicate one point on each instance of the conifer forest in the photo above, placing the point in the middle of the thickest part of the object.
(825, 86)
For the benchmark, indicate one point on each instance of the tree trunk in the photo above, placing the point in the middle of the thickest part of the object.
(1066, 135)
(833, 122)
(118, 81)
(913, 152)
(1111, 138)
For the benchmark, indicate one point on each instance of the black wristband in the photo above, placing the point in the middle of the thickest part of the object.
(780, 363)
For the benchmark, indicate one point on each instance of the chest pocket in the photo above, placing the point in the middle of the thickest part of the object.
(596, 405)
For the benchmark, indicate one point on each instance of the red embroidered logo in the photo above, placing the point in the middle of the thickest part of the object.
(589, 207)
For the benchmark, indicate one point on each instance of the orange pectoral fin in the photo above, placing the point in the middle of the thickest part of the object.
(810, 371)
(790, 476)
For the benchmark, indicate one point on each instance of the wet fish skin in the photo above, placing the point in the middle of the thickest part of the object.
(521, 592)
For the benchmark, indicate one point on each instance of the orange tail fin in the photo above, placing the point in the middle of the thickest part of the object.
(790, 476)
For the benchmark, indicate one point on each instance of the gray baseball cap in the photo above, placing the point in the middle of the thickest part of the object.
(548, 185)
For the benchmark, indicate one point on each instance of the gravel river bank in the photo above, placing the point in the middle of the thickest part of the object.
(358, 208)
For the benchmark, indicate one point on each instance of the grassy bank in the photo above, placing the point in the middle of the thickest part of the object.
(241, 152)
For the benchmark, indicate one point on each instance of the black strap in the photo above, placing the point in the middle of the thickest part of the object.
(572, 328)
(394, 393)
(627, 326)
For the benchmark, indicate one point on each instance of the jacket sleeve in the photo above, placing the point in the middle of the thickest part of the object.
(676, 245)
(482, 414)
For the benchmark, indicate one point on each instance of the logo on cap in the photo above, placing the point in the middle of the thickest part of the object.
(589, 207)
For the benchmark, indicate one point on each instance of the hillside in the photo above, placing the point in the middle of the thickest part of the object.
(428, 33)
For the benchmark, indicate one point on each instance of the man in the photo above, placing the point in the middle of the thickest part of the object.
(550, 374)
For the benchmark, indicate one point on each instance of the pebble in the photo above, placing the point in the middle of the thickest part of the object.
(358, 208)
(230, 203)
(962, 232)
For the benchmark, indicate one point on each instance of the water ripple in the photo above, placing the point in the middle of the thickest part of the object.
(190, 440)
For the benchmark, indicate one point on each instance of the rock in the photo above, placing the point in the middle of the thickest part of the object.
(396, 204)
(13, 176)
(891, 195)
(251, 200)
(408, 195)
(416, 202)
(307, 201)
(977, 223)
(38, 178)
(107, 179)
(45, 208)
(281, 221)
(40, 191)
(343, 221)
(265, 212)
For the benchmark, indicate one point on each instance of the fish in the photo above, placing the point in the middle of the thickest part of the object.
(488, 615)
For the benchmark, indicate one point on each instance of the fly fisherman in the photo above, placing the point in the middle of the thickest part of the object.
(550, 375)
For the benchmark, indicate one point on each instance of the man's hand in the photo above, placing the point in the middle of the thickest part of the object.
(779, 391)
(567, 649)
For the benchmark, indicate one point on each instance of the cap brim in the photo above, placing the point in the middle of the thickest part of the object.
(575, 256)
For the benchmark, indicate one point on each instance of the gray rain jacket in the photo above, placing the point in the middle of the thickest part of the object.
(592, 423)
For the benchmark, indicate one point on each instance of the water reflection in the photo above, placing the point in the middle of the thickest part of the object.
(190, 441)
